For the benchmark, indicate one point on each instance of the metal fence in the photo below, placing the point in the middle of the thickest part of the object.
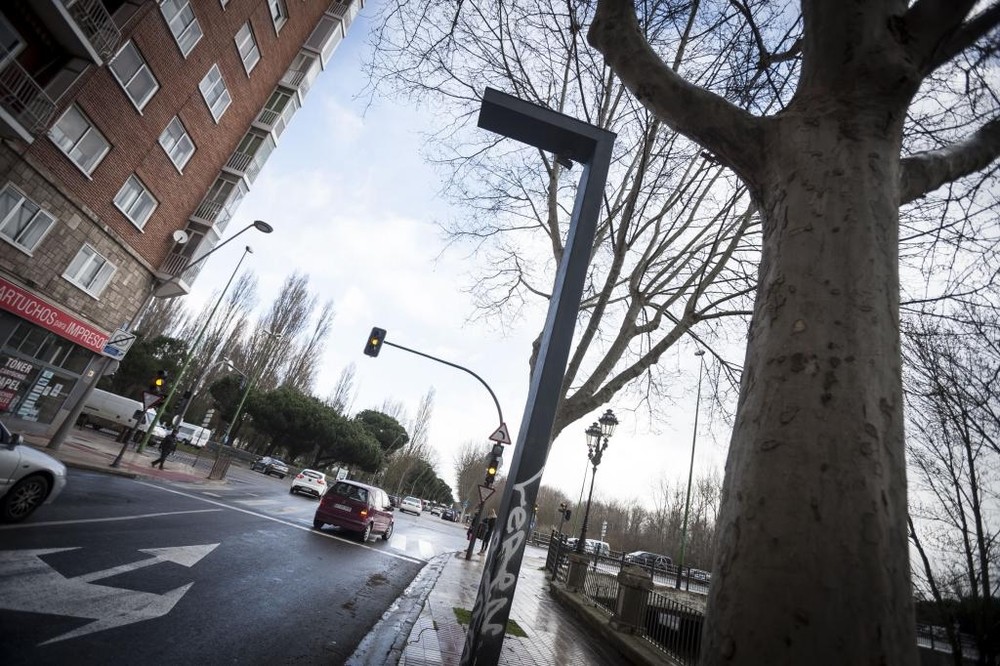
(602, 589)
(673, 627)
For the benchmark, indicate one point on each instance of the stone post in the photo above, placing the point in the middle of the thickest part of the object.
(578, 563)
(634, 584)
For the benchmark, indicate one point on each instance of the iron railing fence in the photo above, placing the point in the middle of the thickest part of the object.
(602, 589)
(96, 23)
(22, 96)
(673, 628)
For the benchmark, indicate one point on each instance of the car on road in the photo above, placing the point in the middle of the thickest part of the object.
(653, 562)
(698, 574)
(411, 505)
(394, 500)
(436, 510)
(450, 515)
(356, 507)
(269, 465)
(309, 481)
(28, 477)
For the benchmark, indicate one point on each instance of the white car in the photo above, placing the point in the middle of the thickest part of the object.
(411, 505)
(309, 481)
(28, 478)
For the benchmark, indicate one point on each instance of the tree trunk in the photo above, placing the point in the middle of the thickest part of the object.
(812, 551)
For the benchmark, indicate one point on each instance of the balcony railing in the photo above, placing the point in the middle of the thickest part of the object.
(244, 164)
(22, 97)
(96, 24)
(276, 121)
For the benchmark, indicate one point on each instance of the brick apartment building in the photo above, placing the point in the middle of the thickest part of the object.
(130, 130)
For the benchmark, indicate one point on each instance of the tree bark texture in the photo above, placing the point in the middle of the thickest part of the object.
(813, 541)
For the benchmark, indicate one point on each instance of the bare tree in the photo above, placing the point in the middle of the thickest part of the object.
(815, 489)
(345, 392)
(470, 469)
(304, 358)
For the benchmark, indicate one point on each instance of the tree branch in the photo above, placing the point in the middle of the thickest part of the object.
(924, 172)
(931, 21)
(731, 134)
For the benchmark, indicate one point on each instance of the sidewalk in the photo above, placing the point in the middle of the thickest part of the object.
(554, 636)
(91, 450)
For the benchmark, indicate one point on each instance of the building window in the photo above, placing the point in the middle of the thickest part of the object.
(247, 46)
(89, 271)
(134, 75)
(23, 223)
(183, 24)
(135, 201)
(279, 13)
(177, 143)
(80, 140)
(10, 42)
(213, 89)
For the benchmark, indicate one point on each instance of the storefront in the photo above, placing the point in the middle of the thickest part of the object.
(44, 352)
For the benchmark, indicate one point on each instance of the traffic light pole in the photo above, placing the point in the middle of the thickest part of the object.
(454, 365)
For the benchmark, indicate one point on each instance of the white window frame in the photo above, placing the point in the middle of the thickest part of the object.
(39, 217)
(282, 9)
(135, 190)
(185, 30)
(253, 43)
(143, 66)
(75, 144)
(169, 145)
(100, 279)
(211, 87)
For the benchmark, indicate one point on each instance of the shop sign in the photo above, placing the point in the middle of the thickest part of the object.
(26, 305)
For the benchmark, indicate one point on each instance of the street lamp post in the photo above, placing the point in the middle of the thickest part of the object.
(191, 353)
(246, 392)
(597, 442)
(694, 440)
(103, 366)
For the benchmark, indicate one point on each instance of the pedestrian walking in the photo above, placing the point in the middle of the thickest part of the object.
(167, 446)
(489, 524)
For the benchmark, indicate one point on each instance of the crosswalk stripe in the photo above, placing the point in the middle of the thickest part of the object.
(398, 542)
(426, 550)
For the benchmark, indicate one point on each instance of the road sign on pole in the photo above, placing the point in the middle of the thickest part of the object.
(501, 435)
(485, 492)
(150, 400)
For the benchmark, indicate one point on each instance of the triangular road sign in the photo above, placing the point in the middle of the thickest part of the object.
(485, 492)
(150, 399)
(501, 435)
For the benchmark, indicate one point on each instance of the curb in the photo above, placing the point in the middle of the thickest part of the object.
(385, 643)
(106, 469)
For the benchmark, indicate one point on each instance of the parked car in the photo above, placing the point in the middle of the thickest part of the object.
(436, 510)
(28, 477)
(269, 465)
(698, 574)
(654, 562)
(411, 505)
(356, 507)
(394, 501)
(450, 515)
(309, 481)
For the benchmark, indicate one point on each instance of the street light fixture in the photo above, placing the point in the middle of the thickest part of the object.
(694, 440)
(598, 435)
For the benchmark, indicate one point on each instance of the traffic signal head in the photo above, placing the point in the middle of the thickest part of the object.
(374, 344)
(494, 464)
(158, 383)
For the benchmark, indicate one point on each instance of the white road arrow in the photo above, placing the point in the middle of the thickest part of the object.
(29, 584)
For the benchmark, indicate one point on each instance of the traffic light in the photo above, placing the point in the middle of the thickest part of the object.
(374, 344)
(494, 464)
(158, 383)
(564, 510)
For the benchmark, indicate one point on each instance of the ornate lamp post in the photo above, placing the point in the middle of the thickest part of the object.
(597, 442)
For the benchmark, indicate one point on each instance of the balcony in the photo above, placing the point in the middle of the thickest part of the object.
(25, 108)
(276, 118)
(174, 272)
(83, 27)
(250, 156)
(301, 74)
(346, 11)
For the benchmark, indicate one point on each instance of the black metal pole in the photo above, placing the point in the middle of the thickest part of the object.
(586, 515)
(129, 434)
(474, 528)
(570, 140)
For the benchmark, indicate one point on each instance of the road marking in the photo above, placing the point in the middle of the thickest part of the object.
(398, 541)
(426, 550)
(304, 528)
(205, 492)
(49, 523)
(28, 584)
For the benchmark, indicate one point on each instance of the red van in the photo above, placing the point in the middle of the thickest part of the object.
(356, 507)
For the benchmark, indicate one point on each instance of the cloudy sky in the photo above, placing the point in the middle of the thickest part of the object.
(353, 206)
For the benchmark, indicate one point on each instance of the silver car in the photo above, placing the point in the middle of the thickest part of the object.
(28, 477)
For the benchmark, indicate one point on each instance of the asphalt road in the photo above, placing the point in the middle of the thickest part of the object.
(120, 571)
